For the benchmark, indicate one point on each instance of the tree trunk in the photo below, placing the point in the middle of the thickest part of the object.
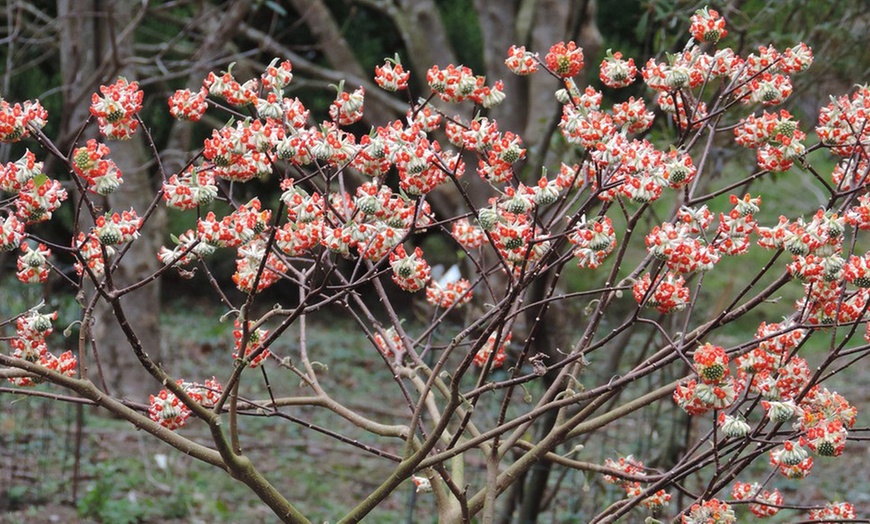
(86, 63)
(340, 54)
(497, 27)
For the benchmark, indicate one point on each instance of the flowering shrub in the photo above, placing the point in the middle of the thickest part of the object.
(351, 218)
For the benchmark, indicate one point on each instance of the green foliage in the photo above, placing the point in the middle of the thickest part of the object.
(370, 34)
(460, 21)
(619, 23)
(114, 495)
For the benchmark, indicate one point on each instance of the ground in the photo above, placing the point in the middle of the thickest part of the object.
(126, 476)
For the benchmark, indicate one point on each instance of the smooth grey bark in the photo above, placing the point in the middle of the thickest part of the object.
(95, 41)
(498, 29)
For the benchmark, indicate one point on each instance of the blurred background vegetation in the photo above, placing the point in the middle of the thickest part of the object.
(171, 45)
